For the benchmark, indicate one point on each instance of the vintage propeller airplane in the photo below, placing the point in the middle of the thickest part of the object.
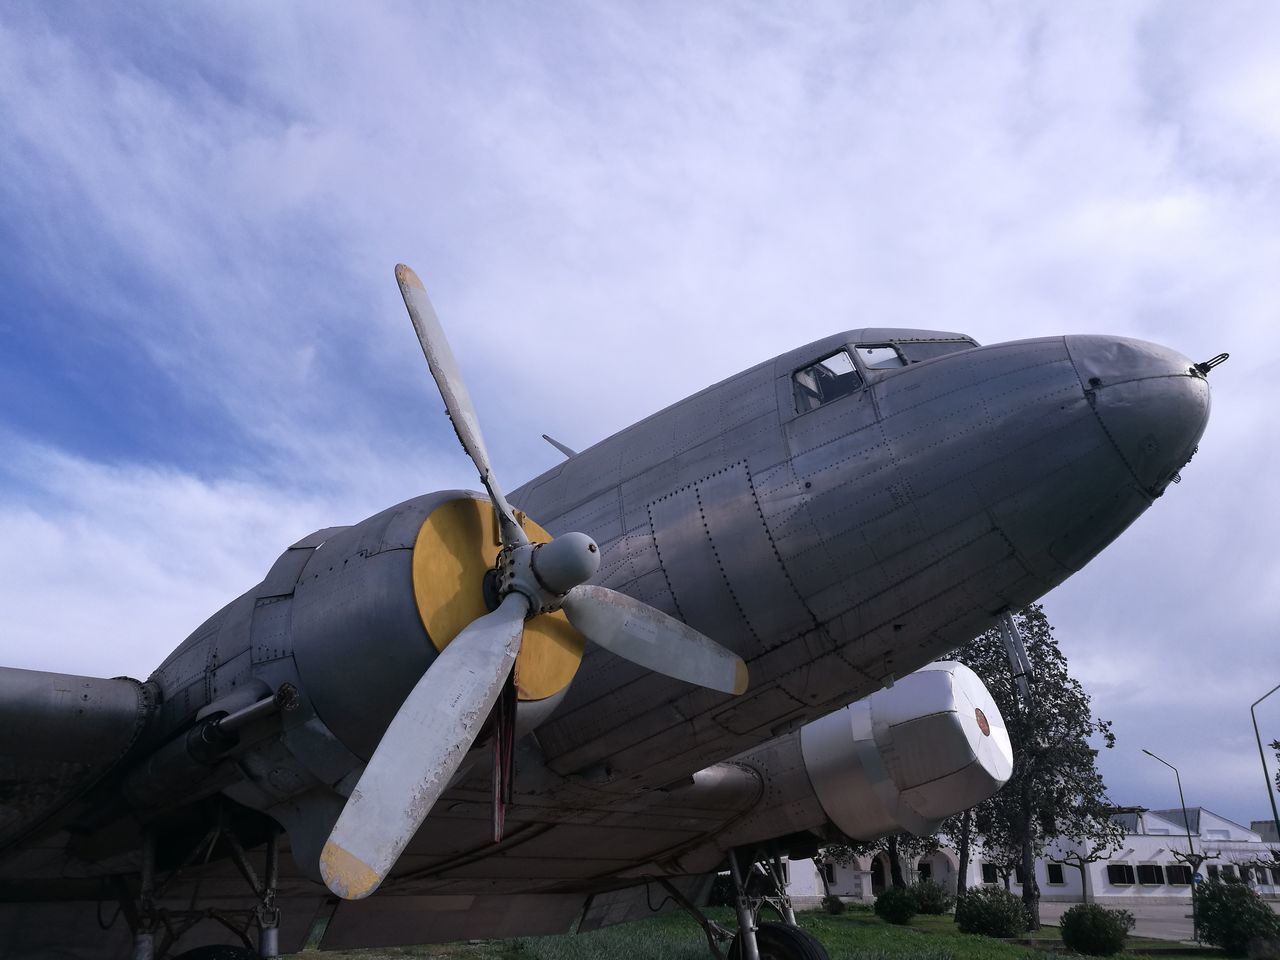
(410, 705)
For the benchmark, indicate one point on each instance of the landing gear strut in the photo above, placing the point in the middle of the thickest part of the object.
(762, 885)
(156, 929)
(757, 885)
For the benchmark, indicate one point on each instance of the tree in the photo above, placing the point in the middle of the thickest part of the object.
(1080, 860)
(1079, 854)
(1056, 790)
(1231, 916)
(959, 827)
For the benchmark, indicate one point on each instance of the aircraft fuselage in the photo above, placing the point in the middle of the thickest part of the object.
(835, 520)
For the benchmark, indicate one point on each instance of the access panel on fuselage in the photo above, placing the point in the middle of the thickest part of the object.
(721, 564)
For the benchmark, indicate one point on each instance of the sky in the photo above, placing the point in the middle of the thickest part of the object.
(204, 355)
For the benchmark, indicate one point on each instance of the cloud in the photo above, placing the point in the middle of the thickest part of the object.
(614, 206)
(108, 567)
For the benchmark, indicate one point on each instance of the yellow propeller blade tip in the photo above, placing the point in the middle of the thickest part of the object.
(740, 679)
(346, 874)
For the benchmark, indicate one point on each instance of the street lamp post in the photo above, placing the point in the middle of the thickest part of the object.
(1191, 850)
(1271, 794)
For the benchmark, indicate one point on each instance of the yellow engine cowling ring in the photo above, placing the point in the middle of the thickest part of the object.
(456, 545)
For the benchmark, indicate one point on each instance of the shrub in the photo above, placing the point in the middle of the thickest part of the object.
(833, 905)
(932, 897)
(1095, 931)
(992, 912)
(1231, 915)
(896, 905)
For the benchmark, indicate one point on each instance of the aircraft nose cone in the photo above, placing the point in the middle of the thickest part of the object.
(1151, 401)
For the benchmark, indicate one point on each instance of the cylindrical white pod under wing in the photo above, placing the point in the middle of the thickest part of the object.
(908, 756)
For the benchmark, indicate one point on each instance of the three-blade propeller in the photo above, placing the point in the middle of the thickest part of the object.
(443, 715)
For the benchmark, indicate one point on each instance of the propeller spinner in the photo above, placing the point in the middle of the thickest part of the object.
(444, 713)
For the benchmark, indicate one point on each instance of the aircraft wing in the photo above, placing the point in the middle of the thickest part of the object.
(59, 735)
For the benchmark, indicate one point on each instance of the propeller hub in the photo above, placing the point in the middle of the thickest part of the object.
(565, 562)
(545, 572)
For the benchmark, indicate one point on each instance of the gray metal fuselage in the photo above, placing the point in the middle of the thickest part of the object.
(832, 549)
(838, 548)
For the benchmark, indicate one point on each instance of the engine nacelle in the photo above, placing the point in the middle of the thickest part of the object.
(909, 756)
(903, 758)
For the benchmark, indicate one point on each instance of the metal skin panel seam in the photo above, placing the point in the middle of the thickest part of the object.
(653, 535)
(1115, 445)
(1027, 371)
(974, 471)
(887, 440)
(873, 389)
(796, 599)
(875, 750)
(706, 529)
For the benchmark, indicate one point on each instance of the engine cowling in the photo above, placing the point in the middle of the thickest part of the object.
(902, 759)
(909, 756)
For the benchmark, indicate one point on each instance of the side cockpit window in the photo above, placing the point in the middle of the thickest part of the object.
(918, 350)
(829, 379)
(880, 356)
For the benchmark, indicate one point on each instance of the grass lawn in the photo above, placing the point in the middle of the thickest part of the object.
(858, 934)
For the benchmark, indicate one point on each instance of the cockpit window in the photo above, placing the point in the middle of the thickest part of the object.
(829, 379)
(918, 350)
(880, 356)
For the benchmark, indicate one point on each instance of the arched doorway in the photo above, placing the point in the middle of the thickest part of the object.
(879, 874)
(940, 867)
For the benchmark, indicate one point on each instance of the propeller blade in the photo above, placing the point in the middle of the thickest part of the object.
(421, 751)
(646, 636)
(457, 400)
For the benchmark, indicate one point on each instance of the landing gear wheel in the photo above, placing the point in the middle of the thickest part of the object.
(780, 941)
(223, 953)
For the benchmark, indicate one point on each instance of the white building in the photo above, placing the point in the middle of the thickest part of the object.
(866, 876)
(1143, 869)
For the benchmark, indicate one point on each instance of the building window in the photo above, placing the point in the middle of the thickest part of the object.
(1177, 875)
(1150, 875)
(1119, 874)
(989, 873)
(1054, 872)
(1018, 875)
(925, 870)
(829, 379)
(1214, 870)
(1228, 870)
(1275, 876)
(829, 871)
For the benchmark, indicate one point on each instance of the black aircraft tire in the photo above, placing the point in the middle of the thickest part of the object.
(780, 941)
(220, 952)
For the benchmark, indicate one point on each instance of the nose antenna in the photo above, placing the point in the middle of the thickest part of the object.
(1204, 368)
